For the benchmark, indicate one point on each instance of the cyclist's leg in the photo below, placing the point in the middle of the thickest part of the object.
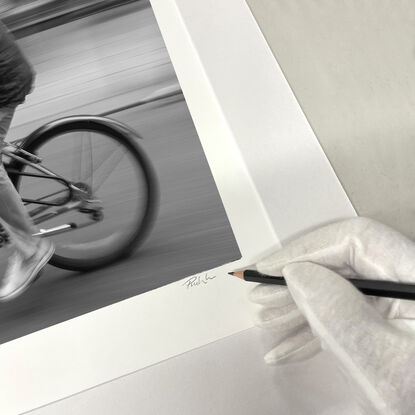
(12, 211)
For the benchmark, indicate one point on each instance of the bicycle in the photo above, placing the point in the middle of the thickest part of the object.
(71, 204)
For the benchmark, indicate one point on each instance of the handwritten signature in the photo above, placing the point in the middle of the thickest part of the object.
(198, 280)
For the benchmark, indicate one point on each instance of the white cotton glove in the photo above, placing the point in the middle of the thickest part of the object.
(376, 354)
(356, 247)
(377, 358)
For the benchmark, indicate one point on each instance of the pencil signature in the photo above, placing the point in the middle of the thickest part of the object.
(198, 280)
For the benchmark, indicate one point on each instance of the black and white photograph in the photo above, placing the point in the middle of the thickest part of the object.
(114, 192)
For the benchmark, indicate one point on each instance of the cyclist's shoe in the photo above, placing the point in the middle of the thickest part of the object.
(22, 272)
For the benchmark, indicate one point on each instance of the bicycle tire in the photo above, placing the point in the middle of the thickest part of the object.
(127, 138)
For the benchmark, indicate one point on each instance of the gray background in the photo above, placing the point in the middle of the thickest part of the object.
(351, 65)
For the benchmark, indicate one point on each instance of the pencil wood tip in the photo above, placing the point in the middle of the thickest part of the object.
(238, 274)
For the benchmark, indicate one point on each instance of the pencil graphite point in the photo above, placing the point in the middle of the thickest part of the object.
(231, 273)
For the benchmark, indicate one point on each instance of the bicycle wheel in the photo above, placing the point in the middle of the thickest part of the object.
(98, 156)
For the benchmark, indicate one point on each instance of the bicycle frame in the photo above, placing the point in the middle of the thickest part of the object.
(76, 198)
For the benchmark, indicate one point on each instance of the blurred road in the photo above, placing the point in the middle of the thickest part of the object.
(26, 17)
(98, 64)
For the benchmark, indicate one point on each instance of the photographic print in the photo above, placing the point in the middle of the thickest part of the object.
(106, 159)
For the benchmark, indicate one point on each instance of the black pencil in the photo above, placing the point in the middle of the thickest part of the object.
(369, 287)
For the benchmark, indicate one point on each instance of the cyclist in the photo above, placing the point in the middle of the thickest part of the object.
(30, 254)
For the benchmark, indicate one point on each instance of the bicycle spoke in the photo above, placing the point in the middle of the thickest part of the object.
(90, 161)
(109, 170)
(86, 156)
(76, 163)
(107, 162)
(99, 163)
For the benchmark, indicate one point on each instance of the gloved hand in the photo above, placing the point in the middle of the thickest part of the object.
(377, 354)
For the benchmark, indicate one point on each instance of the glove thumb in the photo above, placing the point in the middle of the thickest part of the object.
(374, 355)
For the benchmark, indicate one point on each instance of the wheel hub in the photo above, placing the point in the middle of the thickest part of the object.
(85, 191)
(89, 205)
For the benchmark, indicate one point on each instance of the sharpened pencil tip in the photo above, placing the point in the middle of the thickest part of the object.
(238, 274)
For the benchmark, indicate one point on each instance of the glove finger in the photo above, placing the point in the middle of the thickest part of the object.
(386, 306)
(405, 309)
(300, 346)
(326, 246)
(357, 246)
(320, 293)
(281, 319)
(372, 352)
(269, 294)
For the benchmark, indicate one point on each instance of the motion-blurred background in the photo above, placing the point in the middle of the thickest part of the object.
(96, 57)
(24, 17)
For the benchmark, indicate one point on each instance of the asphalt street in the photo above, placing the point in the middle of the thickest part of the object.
(100, 64)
